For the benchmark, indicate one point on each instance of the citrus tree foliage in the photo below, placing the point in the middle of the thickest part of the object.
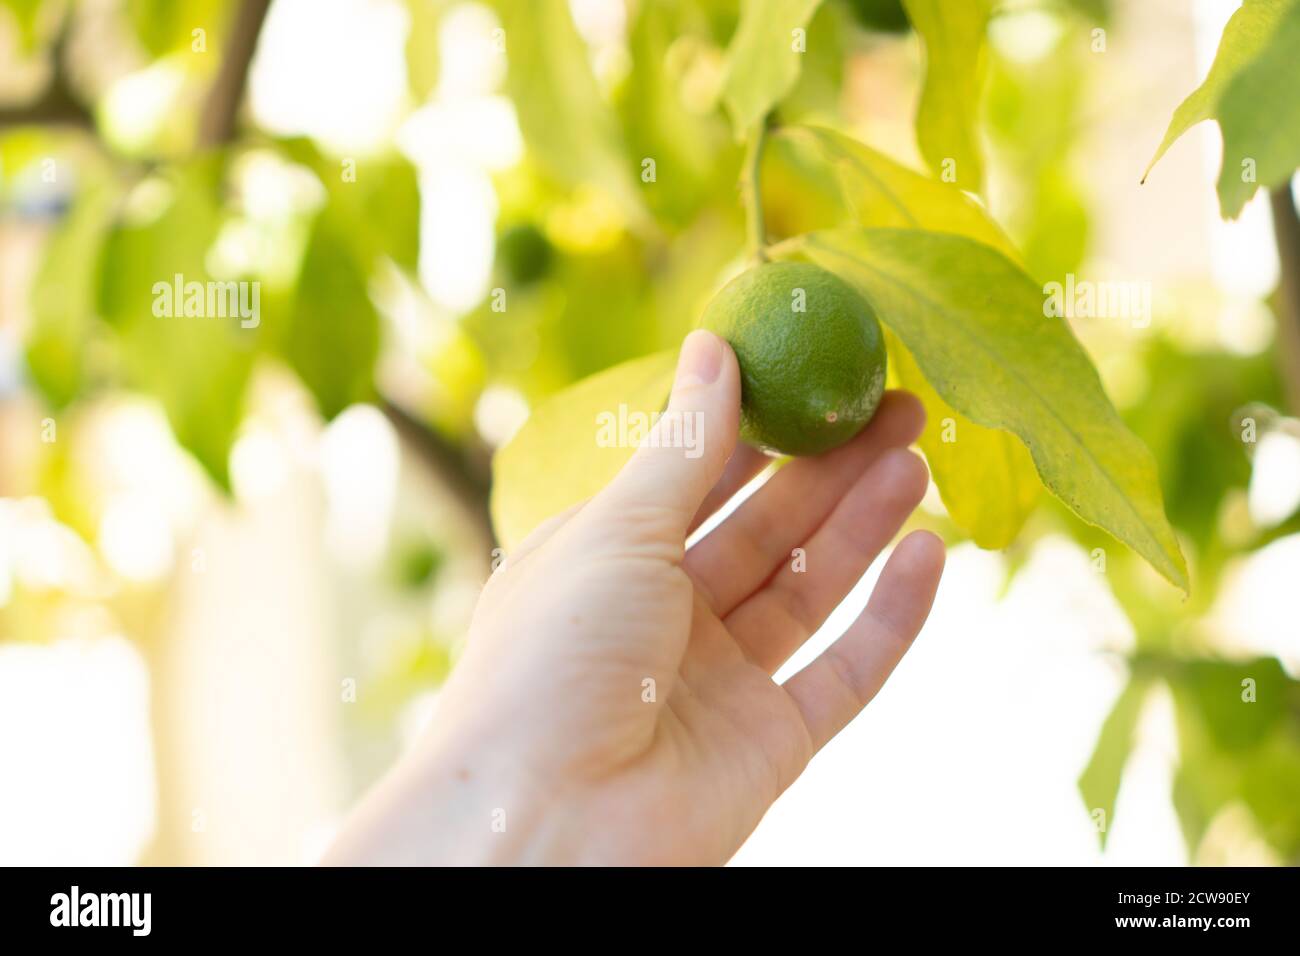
(946, 120)
(988, 368)
(763, 58)
(970, 335)
(642, 176)
(1250, 90)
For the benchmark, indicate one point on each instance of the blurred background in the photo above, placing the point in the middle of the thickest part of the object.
(236, 563)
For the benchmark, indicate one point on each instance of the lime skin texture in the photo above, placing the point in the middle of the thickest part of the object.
(811, 356)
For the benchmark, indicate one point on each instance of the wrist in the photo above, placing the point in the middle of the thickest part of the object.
(487, 810)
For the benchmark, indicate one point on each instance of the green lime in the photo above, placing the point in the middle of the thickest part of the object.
(811, 354)
(524, 254)
(887, 16)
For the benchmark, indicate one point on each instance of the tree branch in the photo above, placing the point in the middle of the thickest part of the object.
(468, 480)
(58, 105)
(1286, 233)
(217, 122)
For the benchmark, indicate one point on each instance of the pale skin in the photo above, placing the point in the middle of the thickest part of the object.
(551, 746)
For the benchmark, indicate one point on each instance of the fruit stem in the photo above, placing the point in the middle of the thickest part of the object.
(785, 248)
(751, 193)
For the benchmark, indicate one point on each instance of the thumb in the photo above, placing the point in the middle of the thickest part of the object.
(684, 453)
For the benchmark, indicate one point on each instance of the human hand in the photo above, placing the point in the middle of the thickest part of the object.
(615, 701)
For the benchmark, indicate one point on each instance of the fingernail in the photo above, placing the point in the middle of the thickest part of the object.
(700, 360)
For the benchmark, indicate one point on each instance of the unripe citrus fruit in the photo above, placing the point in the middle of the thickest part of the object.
(524, 254)
(887, 16)
(811, 355)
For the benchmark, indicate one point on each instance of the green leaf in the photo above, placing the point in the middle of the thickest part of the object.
(693, 150)
(1260, 116)
(165, 25)
(570, 129)
(1092, 11)
(64, 294)
(422, 60)
(1203, 469)
(1236, 750)
(1268, 788)
(196, 366)
(382, 209)
(947, 118)
(555, 460)
(1197, 795)
(332, 339)
(26, 14)
(1099, 782)
(818, 90)
(378, 197)
(1035, 112)
(1259, 47)
(763, 60)
(886, 16)
(985, 476)
(1245, 35)
(886, 194)
(975, 323)
(801, 192)
(1219, 696)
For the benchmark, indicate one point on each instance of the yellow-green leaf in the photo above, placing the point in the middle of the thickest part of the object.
(559, 458)
(331, 338)
(1236, 751)
(947, 119)
(1258, 47)
(570, 129)
(1100, 780)
(422, 60)
(985, 475)
(1260, 117)
(975, 324)
(166, 25)
(887, 194)
(27, 17)
(64, 291)
(197, 367)
(764, 58)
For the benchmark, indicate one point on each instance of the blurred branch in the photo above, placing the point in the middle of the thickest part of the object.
(217, 122)
(467, 480)
(58, 105)
(1286, 233)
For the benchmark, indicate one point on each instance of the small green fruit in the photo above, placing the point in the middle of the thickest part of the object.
(524, 254)
(887, 16)
(811, 355)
